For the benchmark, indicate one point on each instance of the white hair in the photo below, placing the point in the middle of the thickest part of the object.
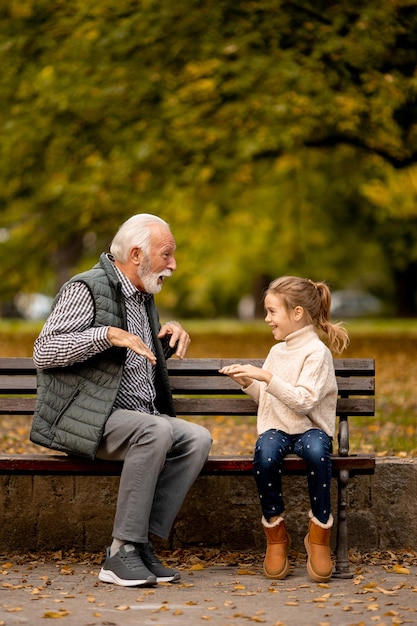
(136, 231)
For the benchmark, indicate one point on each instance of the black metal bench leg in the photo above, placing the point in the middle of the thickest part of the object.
(342, 559)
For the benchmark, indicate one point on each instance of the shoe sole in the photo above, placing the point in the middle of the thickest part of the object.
(107, 576)
(168, 579)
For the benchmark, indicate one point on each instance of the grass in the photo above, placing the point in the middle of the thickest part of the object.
(393, 344)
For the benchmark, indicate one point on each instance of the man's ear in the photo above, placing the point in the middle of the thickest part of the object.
(136, 255)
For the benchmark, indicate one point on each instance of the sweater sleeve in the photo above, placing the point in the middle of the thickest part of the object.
(254, 390)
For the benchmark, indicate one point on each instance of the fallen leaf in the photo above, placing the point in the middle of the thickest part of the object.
(55, 614)
(11, 586)
(67, 571)
(387, 592)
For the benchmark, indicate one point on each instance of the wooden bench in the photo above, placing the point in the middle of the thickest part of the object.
(199, 390)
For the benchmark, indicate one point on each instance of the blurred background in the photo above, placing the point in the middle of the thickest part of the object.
(276, 137)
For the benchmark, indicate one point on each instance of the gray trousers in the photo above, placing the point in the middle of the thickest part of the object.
(162, 457)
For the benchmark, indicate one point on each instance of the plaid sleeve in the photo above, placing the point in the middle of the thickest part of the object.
(68, 336)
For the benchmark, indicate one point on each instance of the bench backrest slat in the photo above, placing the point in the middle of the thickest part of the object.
(17, 384)
(198, 388)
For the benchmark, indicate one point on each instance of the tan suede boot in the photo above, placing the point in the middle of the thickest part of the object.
(276, 564)
(317, 544)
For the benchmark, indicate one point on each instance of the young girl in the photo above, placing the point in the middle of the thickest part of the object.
(296, 393)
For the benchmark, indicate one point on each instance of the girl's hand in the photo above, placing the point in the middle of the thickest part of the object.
(245, 374)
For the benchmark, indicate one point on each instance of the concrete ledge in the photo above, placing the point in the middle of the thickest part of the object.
(50, 513)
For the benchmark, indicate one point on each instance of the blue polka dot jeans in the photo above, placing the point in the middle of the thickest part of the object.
(314, 446)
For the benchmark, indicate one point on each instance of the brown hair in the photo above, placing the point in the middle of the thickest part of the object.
(315, 299)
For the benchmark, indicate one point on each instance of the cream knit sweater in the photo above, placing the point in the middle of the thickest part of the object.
(302, 393)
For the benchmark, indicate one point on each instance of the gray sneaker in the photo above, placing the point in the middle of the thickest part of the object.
(126, 568)
(162, 573)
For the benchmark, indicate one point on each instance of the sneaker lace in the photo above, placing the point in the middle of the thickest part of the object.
(132, 559)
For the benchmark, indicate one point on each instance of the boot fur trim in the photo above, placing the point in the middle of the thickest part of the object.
(274, 524)
(314, 519)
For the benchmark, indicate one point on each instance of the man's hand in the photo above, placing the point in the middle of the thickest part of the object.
(123, 339)
(180, 339)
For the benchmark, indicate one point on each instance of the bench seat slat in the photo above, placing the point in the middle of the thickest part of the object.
(55, 464)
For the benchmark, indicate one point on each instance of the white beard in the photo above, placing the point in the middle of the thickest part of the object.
(150, 279)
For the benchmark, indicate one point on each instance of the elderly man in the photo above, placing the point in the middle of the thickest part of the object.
(103, 392)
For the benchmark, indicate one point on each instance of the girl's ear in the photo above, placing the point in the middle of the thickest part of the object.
(298, 313)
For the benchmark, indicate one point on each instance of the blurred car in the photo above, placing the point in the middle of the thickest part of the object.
(354, 303)
(33, 306)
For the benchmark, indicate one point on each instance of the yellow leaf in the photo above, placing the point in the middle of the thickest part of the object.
(196, 567)
(370, 585)
(399, 569)
(177, 612)
(386, 591)
(122, 607)
(55, 614)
